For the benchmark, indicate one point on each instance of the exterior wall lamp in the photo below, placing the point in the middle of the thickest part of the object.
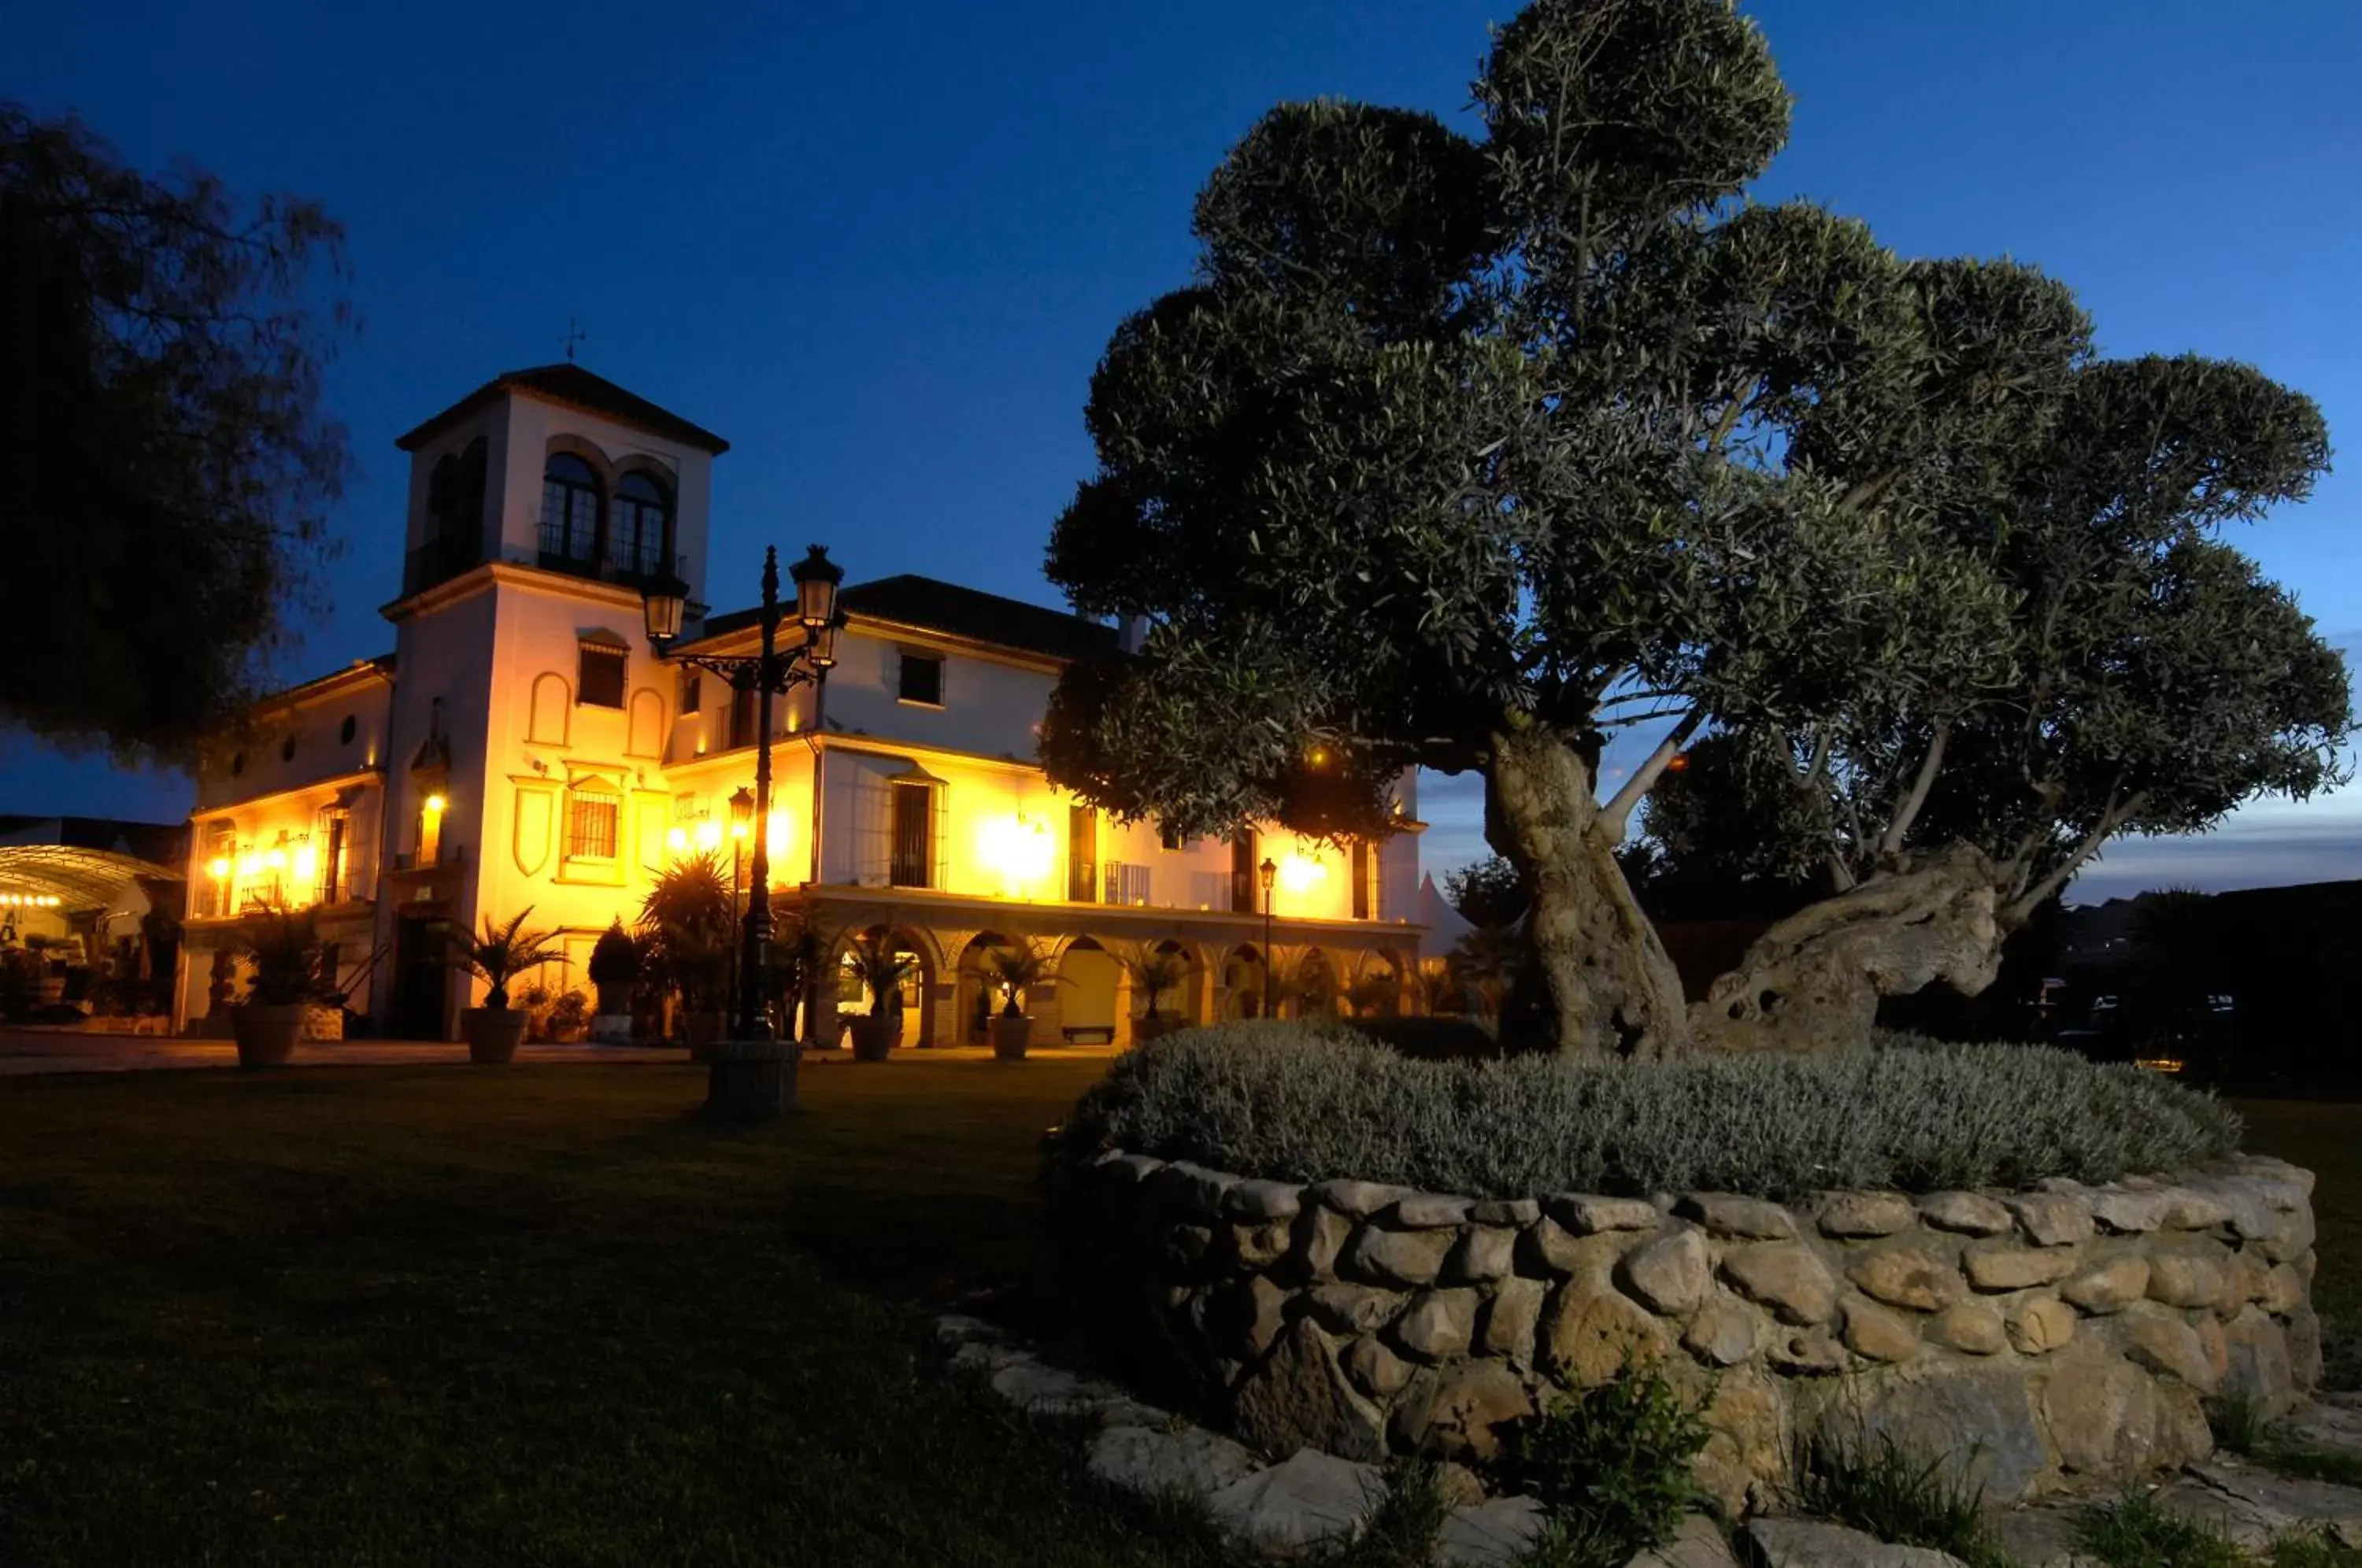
(1269, 872)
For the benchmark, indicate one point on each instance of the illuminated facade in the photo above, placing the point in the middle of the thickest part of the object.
(522, 745)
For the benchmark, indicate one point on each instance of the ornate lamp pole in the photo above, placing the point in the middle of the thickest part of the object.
(772, 671)
(1269, 873)
(742, 813)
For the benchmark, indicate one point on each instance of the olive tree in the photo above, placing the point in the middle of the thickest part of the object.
(2151, 680)
(169, 467)
(1470, 453)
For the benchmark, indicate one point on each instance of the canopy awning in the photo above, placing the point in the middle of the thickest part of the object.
(80, 879)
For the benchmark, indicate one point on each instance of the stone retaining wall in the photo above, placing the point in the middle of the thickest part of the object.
(2070, 1331)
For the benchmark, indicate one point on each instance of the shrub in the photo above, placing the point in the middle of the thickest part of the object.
(1431, 1039)
(1873, 1482)
(1308, 1102)
(1611, 1464)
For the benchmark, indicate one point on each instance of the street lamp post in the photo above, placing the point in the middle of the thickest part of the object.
(1269, 873)
(771, 672)
(742, 811)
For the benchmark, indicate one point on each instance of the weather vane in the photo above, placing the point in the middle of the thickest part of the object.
(574, 334)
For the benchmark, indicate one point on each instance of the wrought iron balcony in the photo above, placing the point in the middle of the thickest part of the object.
(566, 550)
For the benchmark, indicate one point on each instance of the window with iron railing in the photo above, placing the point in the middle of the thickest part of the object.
(913, 863)
(1127, 884)
(591, 824)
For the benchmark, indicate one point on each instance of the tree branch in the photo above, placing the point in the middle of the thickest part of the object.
(1899, 824)
(2022, 908)
(1619, 809)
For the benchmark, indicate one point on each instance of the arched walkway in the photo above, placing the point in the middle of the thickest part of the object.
(1089, 985)
(917, 990)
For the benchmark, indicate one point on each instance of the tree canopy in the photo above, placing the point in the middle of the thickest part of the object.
(169, 467)
(1471, 452)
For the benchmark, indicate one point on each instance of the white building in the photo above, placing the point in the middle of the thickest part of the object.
(522, 745)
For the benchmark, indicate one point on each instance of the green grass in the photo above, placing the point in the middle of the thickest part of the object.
(2137, 1533)
(537, 1316)
(1873, 1483)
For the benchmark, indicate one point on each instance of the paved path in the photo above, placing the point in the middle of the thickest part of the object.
(28, 1051)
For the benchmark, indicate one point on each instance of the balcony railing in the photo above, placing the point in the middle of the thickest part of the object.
(561, 548)
(438, 560)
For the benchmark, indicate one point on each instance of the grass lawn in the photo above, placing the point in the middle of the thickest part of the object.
(409, 1315)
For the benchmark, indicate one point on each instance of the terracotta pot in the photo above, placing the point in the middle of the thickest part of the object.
(266, 1035)
(1011, 1036)
(493, 1033)
(873, 1039)
(750, 1081)
(1155, 1026)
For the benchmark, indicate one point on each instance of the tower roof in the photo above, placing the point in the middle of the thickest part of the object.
(571, 386)
(932, 604)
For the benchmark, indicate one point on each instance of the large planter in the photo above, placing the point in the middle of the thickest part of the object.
(1011, 1036)
(2035, 1340)
(493, 1033)
(874, 1038)
(701, 1030)
(750, 1081)
(1155, 1026)
(611, 1028)
(266, 1035)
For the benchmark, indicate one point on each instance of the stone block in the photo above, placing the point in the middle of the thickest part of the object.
(2162, 1342)
(2188, 1279)
(1426, 1211)
(2107, 1417)
(1877, 1334)
(1514, 1212)
(1380, 1256)
(1128, 1170)
(1723, 1334)
(1490, 1535)
(2110, 1288)
(1969, 1213)
(1994, 1269)
(1187, 1462)
(1187, 1244)
(1469, 1404)
(2260, 1370)
(1731, 1214)
(1510, 1319)
(1584, 1215)
(1483, 1253)
(1440, 1323)
(1358, 1198)
(1321, 1234)
(1812, 1543)
(1978, 1416)
(1971, 1327)
(1194, 1188)
(1672, 1275)
(2041, 1324)
(1311, 1502)
(1246, 1315)
(1805, 1352)
(1914, 1277)
(2189, 1210)
(1591, 1333)
(1747, 1439)
(2129, 1213)
(1854, 1215)
(2294, 1236)
(1299, 1396)
(1263, 1244)
(1786, 1276)
(1354, 1308)
(1259, 1199)
(2052, 1218)
(1548, 1250)
(1698, 1543)
(1376, 1369)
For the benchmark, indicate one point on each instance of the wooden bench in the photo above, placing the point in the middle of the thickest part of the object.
(1090, 1033)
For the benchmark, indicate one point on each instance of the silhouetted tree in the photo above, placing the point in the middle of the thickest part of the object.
(170, 470)
(1489, 891)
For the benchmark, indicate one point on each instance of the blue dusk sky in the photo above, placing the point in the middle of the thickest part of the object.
(880, 247)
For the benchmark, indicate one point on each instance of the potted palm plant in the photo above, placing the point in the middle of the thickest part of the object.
(690, 919)
(1019, 968)
(881, 967)
(499, 956)
(1153, 972)
(284, 948)
(614, 970)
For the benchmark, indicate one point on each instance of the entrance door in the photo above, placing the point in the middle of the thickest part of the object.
(1082, 855)
(421, 981)
(1242, 871)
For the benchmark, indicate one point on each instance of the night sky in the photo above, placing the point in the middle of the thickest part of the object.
(879, 248)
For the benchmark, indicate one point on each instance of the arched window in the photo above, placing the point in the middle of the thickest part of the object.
(442, 499)
(640, 540)
(569, 508)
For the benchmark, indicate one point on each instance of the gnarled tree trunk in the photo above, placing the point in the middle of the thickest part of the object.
(1596, 977)
(1812, 982)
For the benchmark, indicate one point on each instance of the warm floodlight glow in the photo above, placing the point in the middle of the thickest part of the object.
(307, 864)
(1300, 873)
(677, 839)
(249, 865)
(1017, 848)
(708, 833)
(436, 802)
(276, 859)
(775, 830)
(217, 868)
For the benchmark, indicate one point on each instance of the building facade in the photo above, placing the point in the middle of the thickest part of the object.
(523, 746)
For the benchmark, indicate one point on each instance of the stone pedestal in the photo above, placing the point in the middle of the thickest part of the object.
(749, 1080)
